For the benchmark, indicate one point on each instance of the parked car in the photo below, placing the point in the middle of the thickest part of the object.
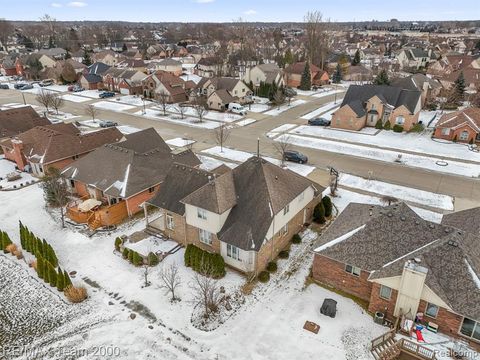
(295, 156)
(290, 92)
(4, 86)
(26, 87)
(46, 82)
(19, 86)
(107, 123)
(237, 109)
(319, 122)
(106, 94)
(75, 88)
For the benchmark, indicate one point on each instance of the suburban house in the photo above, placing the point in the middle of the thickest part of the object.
(91, 81)
(415, 58)
(169, 65)
(108, 57)
(220, 91)
(55, 145)
(248, 214)
(264, 73)
(162, 82)
(98, 68)
(365, 105)
(402, 265)
(210, 67)
(429, 87)
(113, 181)
(293, 74)
(358, 73)
(462, 126)
(18, 120)
(123, 81)
(132, 64)
(55, 53)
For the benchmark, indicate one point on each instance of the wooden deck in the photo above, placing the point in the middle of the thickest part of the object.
(385, 347)
(107, 215)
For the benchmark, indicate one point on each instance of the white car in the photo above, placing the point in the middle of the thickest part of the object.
(237, 109)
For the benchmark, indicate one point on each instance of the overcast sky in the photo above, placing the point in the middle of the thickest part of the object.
(250, 10)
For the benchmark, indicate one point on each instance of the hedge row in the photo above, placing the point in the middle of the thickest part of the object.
(35, 246)
(134, 257)
(4, 241)
(202, 261)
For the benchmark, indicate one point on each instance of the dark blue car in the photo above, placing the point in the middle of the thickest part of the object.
(319, 122)
(106, 94)
(295, 156)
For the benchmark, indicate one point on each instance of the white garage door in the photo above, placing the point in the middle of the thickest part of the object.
(124, 91)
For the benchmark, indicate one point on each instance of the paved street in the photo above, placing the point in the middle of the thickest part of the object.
(245, 138)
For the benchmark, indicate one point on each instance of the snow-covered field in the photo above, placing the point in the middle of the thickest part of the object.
(113, 106)
(323, 109)
(328, 93)
(434, 200)
(155, 114)
(75, 98)
(127, 129)
(241, 156)
(93, 94)
(257, 108)
(420, 143)
(210, 115)
(179, 142)
(151, 244)
(277, 110)
(131, 100)
(7, 167)
(424, 162)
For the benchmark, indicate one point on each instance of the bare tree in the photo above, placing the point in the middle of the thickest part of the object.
(316, 42)
(278, 98)
(57, 102)
(170, 280)
(91, 111)
(45, 98)
(200, 107)
(146, 283)
(181, 110)
(206, 291)
(222, 133)
(282, 146)
(163, 99)
(55, 190)
(6, 30)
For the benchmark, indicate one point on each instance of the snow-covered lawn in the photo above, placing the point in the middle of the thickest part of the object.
(75, 98)
(245, 122)
(276, 110)
(131, 100)
(152, 244)
(257, 108)
(329, 106)
(328, 93)
(242, 156)
(155, 114)
(127, 129)
(38, 90)
(179, 142)
(113, 106)
(210, 115)
(93, 94)
(426, 116)
(58, 88)
(8, 167)
(434, 200)
(209, 163)
(420, 143)
(281, 129)
(91, 123)
(424, 162)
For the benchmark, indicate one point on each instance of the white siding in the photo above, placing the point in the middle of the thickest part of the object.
(213, 222)
(246, 262)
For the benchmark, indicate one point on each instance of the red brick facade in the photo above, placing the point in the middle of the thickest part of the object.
(457, 134)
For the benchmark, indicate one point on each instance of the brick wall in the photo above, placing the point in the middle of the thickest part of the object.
(457, 132)
(379, 304)
(193, 237)
(332, 273)
(178, 232)
(341, 119)
(409, 119)
(133, 202)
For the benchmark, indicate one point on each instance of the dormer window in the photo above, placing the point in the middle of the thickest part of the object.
(201, 214)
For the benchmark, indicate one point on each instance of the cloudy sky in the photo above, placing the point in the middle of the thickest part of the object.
(250, 10)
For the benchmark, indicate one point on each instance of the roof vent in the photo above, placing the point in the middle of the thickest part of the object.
(417, 260)
(447, 230)
(431, 226)
(389, 214)
(417, 222)
(403, 218)
(452, 243)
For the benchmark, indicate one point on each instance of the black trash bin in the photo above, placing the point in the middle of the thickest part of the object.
(329, 308)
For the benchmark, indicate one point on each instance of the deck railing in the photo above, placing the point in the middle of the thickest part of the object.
(416, 349)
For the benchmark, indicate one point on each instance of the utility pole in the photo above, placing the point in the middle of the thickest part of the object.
(258, 147)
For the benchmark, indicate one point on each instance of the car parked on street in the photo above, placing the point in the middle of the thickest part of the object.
(106, 94)
(108, 123)
(19, 86)
(26, 87)
(295, 156)
(75, 88)
(46, 82)
(4, 86)
(319, 122)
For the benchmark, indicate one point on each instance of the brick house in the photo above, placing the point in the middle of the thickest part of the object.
(18, 120)
(429, 87)
(227, 89)
(248, 214)
(293, 74)
(401, 265)
(121, 176)
(177, 89)
(55, 145)
(365, 105)
(210, 67)
(114, 80)
(462, 126)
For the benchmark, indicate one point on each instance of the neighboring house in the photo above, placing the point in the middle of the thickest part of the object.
(171, 66)
(293, 75)
(91, 81)
(108, 57)
(429, 87)
(365, 105)
(8, 66)
(210, 67)
(358, 73)
(470, 74)
(55, 53)
(18, 120)
(265, 73)
(123, 80)
(55, 145)
(415, 58)
(227, 90)
(98, 68)
(462, 126)
(177, 89)
(133, 64)
(248, 214)
(402, 265)
(121, 176)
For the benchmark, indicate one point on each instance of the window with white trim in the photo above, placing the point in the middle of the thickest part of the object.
(470, 328)
(446, 131)
(400, 120)
(205, 236)
(233, 252)
(301, 197)
(286, 209)
(353, 270)
(385, 292)
(201, 214)
(170, 222)
(464, 135)
(431, 310)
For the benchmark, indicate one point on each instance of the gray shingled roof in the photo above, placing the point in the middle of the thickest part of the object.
(466, 220)
(15, 121)
(394, 96)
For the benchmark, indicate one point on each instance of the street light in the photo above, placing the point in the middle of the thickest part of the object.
(24, 101)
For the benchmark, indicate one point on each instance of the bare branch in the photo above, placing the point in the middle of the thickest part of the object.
(206, 291)
(222, 134)
(170, 279)
(163, 99)
(91, 111)
(45, 98)
(200, 107)
(282, 146)
(57, 102)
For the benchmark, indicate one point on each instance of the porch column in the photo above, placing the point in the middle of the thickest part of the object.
(145, 212)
